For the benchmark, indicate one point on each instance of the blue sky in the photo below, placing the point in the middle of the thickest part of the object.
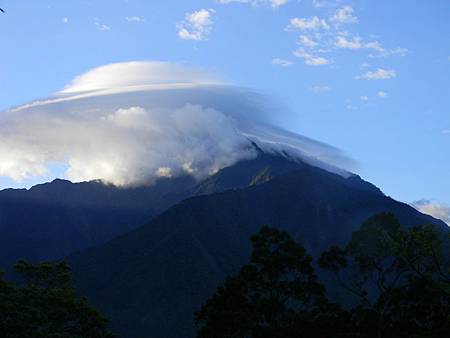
(369, 77)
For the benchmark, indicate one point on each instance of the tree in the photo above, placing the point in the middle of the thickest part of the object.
(399, 276)
(276, 295)
(46, 305)
(386, 266)
(423, 251)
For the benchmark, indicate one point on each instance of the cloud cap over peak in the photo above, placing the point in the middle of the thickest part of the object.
(130, 123)
(138, 73)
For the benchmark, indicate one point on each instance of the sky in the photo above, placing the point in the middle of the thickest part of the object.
(367, 77)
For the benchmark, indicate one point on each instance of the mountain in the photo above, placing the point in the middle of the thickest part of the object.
(152, 279)
(52, 220)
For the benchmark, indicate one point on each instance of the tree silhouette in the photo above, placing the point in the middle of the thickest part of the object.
(400, 276)
(46, 305)
(276, 295)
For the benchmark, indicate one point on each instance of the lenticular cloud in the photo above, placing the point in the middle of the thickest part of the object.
(130, 123)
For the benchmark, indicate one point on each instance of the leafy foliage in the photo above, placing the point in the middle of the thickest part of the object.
(399, 276)
(276, 295)
(46, 305)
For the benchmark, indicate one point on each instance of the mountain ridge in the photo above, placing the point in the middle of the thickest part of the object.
(53, 220)
(169, 266)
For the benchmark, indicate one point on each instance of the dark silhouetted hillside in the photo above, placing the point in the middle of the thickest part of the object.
(52, 220)
(151, 280)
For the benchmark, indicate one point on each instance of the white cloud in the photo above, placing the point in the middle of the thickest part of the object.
(356, 43)
(381, 94)
(278, 3)
(326, 34)
(282, 62)
(375, 45)
(130, 123)
(101, 26)
(196, 25)
(164, 172)
(138, 75)
(379, 74)
(384, 52)
(344, 15)
(65, 20)
(364, 98)
(272, 3)
(307, 41)
(319, 3)
(320, 89)
(326, 3)
(134, 19)
(305, 24)
(127, 146)
(343, 42)
(310, 59)
(437, 210)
